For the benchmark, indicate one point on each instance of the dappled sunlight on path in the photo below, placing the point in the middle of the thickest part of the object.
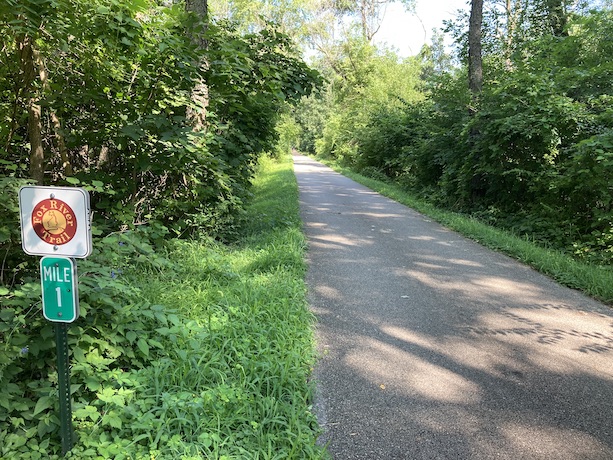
(434, 347)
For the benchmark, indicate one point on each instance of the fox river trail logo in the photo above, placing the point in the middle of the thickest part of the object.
(54, 221)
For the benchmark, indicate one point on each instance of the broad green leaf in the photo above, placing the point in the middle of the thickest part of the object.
(43, 403)
(143, 346)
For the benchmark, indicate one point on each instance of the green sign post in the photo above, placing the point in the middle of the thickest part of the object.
(63, 380)
(58, 278)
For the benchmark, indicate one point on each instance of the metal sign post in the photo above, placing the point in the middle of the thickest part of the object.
(58, 277)
(63, 377)
(56, 223)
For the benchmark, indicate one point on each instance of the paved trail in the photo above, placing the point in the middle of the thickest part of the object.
(436, 348)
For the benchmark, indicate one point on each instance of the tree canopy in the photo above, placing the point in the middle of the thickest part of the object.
(98, 93)
(532, 152)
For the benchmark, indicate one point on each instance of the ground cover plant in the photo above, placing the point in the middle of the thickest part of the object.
(184, 349)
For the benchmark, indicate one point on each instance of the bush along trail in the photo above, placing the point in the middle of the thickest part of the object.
(183, 350)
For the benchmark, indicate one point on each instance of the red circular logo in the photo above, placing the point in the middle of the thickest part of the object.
(54, 221)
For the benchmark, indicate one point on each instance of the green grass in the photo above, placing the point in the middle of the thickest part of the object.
(231, 374)
(595, 281)
(241, 379)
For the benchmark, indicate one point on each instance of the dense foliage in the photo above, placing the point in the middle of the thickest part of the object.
(104, 89)
(100, 94)
(114, 92)
(533, 152)
(185, 350)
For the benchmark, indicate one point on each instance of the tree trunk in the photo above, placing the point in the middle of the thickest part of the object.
(57, 125)
(364, 21)
(556, 12)
(26, 61)
(475, 63)
(199, 7)
(371, 17)
(200, 93)
(37, 156)
(512, 10)
(475, 84)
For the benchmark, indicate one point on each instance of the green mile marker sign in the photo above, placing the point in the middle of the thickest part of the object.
(58, 278)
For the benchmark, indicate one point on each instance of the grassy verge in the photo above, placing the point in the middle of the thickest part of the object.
(231, 353)
(236, 387)
(595, 281)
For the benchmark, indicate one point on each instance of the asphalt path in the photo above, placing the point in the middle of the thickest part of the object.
(433, 347)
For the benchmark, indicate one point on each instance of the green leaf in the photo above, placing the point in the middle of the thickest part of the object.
(87, 412)
(43, 403)
(93, 383)
(112, 419)
(6, 314)
(78, 354)
(143, 346)
(4, 401)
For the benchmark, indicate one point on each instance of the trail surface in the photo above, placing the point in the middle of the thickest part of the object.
(433, 347)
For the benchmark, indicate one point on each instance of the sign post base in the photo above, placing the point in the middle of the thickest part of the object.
(63, 376)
